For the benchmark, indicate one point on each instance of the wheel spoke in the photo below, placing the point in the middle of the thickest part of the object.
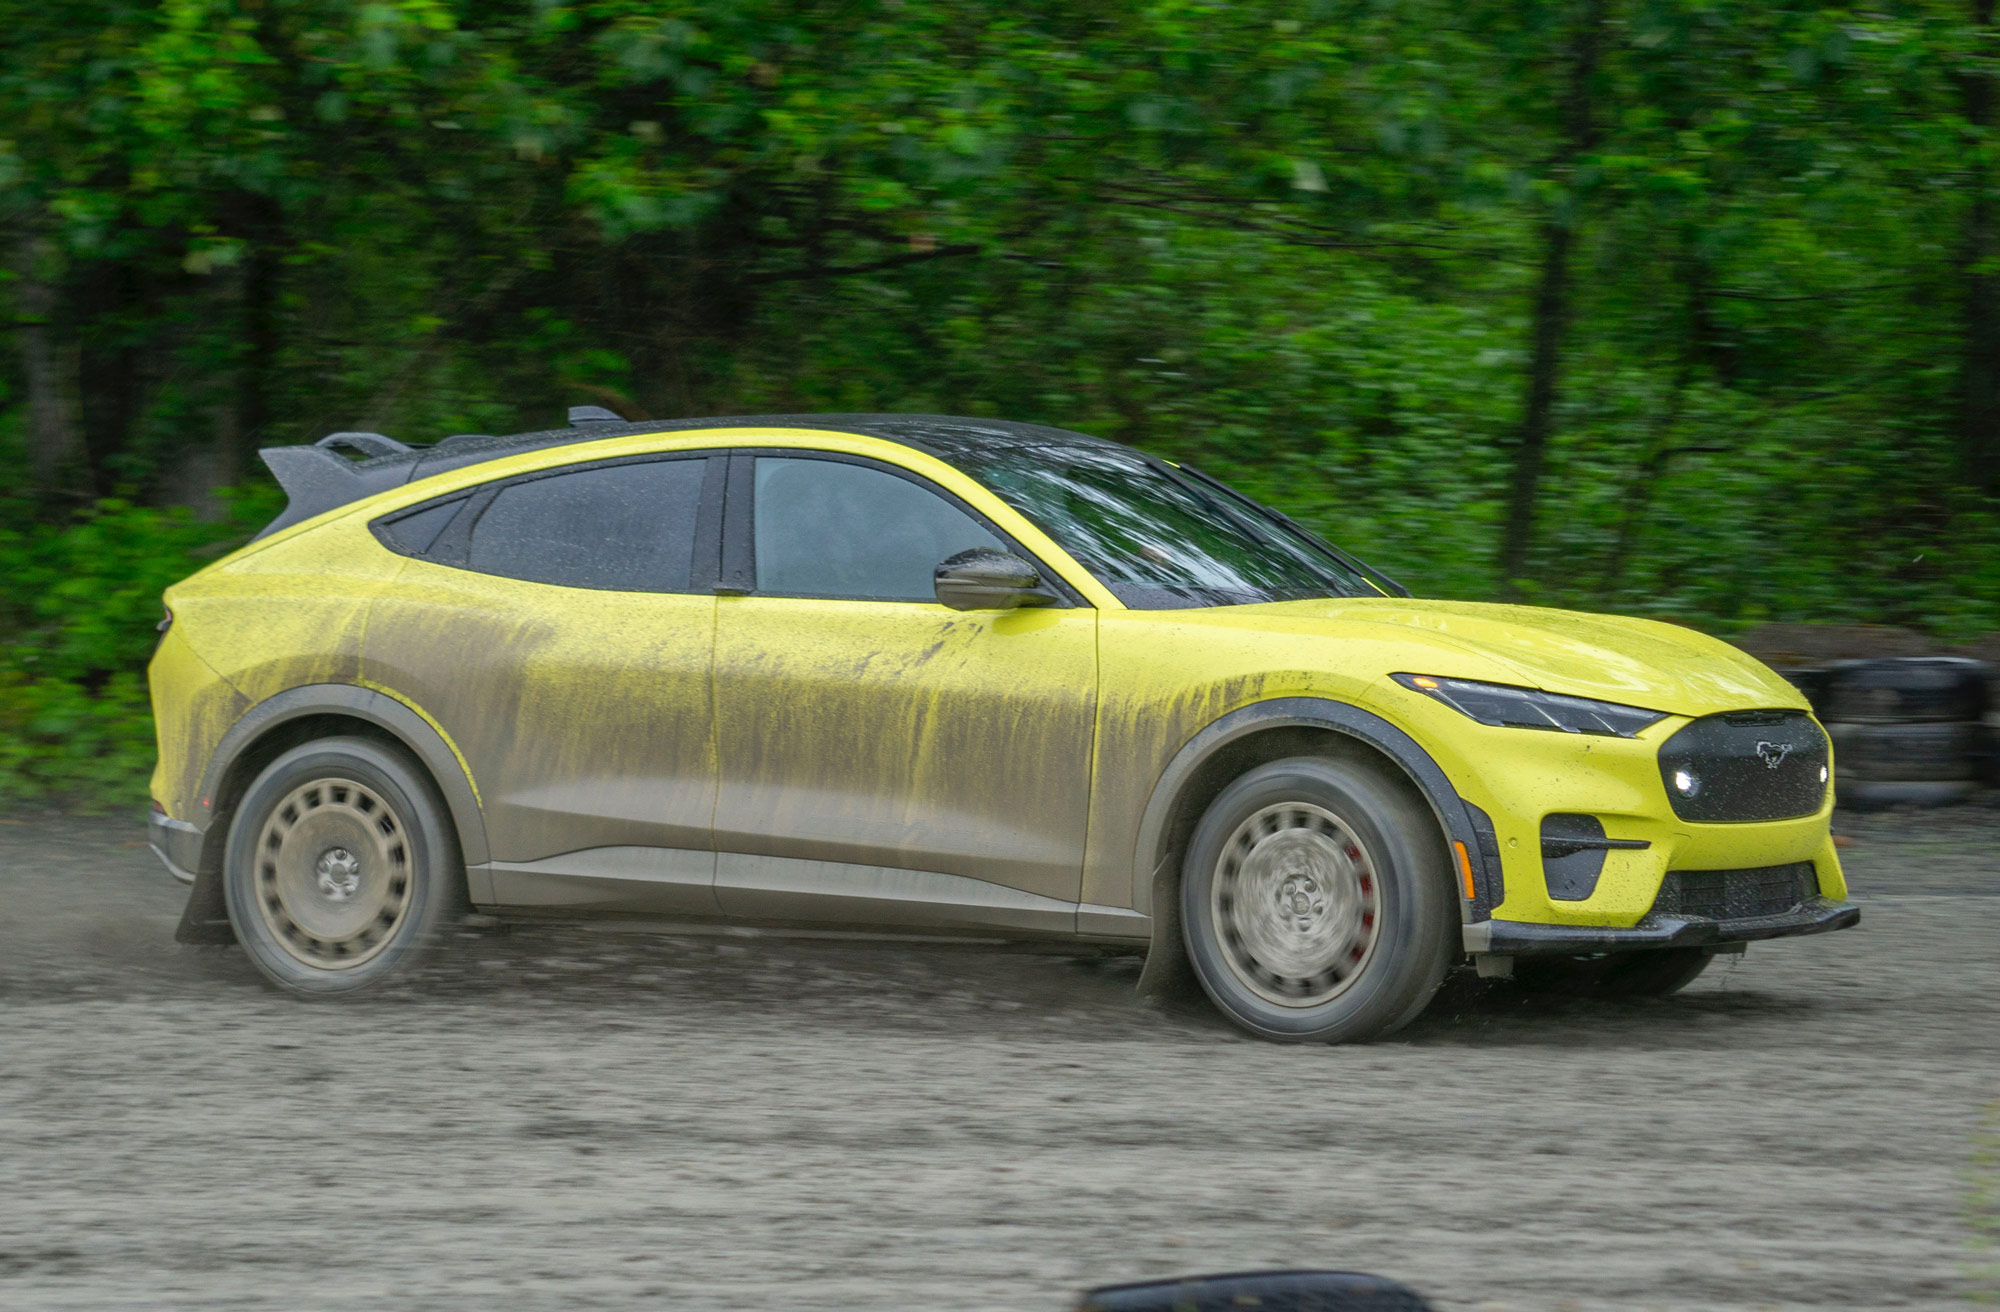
(333, 873)
(1294, 904)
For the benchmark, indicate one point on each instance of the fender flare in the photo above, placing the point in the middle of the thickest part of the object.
(1156, 874)
(205, 919)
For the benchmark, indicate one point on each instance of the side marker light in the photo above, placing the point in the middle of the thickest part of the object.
(1465, 869)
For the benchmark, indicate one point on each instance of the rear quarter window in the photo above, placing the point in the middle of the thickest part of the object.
(623, 528)
(414, 532)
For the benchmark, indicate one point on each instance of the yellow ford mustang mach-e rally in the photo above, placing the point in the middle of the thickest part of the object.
(930, 675)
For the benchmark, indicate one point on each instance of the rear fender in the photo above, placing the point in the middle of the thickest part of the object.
(205, 919)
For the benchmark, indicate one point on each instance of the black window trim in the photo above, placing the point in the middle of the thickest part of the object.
(739, 540)
(382, 526)
(452, 546)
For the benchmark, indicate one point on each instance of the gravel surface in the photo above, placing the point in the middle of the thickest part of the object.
(559, 1117)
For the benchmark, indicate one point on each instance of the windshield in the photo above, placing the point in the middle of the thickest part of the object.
(1161, 540)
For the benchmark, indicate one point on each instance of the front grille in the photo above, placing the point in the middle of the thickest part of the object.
(1746, 765)
(1736, 894)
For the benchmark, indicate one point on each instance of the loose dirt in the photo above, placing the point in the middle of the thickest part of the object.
(564, 1118)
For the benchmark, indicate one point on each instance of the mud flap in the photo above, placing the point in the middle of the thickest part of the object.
(206, 918)
(1168, 976)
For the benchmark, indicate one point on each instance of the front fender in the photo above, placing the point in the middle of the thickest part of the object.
(1155, 870)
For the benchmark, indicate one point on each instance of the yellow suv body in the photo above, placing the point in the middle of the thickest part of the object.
(930, 675)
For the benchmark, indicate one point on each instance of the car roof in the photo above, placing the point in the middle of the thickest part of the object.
(949, 437)
(317, 479)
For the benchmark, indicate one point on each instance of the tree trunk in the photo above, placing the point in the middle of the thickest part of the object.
(55, 442)
(1538, 414)
(1638, 494)
(1550, 315)
(107, 302)
(1702, 345)
(260, 222)
(1979, 369)
(260, 358)
(202, 468)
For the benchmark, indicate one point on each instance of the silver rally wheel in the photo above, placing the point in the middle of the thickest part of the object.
(1316, 899)
(1295, 901)
(333, 879)
(341, 864)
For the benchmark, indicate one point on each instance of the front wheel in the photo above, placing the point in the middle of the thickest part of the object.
(1317, 900)
(341, 865)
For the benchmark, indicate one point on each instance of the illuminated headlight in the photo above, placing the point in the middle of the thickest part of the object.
(1822, 774)
(1528, 708)
(1687, 783)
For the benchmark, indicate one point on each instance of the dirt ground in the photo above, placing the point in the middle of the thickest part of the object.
(559, 1118)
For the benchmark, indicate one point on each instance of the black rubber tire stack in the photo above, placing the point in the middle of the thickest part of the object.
(1992, 761)
(1907, 731)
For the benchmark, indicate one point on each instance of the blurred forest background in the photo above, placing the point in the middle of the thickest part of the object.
(1687, 308)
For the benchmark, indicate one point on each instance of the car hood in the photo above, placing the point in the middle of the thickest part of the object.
(1662, 667)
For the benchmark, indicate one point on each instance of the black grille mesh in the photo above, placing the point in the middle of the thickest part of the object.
(1745, 766)
(1736, 894)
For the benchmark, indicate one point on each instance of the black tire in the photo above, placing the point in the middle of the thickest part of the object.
(1934, 752)
(1811, 680)
(1654, 973)
(341, 867)
(1884, 795)
(1905, 689)
(1317, 903)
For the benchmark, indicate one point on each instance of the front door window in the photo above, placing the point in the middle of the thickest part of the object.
(826, 528)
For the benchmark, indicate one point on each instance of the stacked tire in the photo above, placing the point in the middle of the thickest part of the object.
(1907, 731)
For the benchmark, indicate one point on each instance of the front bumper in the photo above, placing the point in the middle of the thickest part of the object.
(1517, 938)
(1520, 778)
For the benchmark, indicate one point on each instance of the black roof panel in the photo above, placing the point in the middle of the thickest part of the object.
(317, 480)
(944, 436)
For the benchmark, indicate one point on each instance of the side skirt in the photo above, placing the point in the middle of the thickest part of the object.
(671, 883)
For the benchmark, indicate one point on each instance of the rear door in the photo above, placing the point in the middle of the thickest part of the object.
(559, 628)
(883, 759)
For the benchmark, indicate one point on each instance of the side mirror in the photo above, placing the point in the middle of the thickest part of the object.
(985, 579)
(1268, 1291)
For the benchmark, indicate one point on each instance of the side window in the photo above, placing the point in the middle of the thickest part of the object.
(415, 531)
(619, 528)
(824, 528)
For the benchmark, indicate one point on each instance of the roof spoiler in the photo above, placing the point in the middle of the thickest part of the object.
(317, 478)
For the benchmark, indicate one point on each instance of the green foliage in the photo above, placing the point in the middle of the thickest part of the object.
(80, 609)
(1304, 245)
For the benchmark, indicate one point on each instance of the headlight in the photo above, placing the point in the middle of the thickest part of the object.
(1525, 708)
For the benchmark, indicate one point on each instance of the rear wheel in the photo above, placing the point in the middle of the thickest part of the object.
(1317, 901)
(341, 865)
(1654, 973)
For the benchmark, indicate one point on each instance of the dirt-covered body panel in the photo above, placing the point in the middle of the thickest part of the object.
(802, 759)
(908, 736)
(585, 715)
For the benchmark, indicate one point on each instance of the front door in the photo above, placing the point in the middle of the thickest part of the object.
(559, 628)
(883, 759)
